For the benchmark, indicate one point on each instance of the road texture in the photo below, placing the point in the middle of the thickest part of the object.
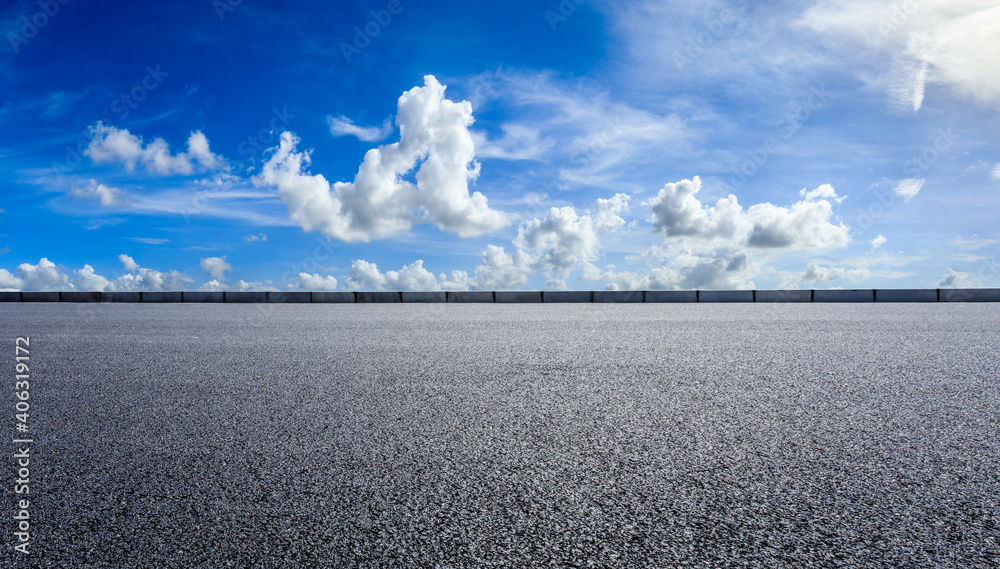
(508, 436)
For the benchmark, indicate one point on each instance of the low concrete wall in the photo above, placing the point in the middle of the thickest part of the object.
(203, 296)
(671, 296)
(844, 295)
(970, 295)
(619, 296)
(121, 297)
(380, 297)
(330, 297)
(470, 296)
(37, 296)
(430, 296)
(173, 296)
(518, 296)
(725, 296)
(567, 296)
(245, 297)
(290, 297)
(782, 296)
(906, 295)
(80, 296)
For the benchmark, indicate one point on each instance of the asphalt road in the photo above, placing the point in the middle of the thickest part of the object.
(723, 435)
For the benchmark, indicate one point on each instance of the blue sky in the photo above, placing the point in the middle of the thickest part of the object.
(412, 145)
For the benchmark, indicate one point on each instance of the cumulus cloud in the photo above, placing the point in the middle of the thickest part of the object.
(216, 267)
(130, 264)
(957, 279)
(500, 270)
(683, 268)
(255, 238)
(112, 144)
(380, 203)
(903, 47)
(314, 281)
(365, 275)
(139, 278)
(87, 279)
(878, 241)
(563, 239)
(677, 212)
(44, 276)
(908, 188)
(105, 195)
(343, 126)
(215, 285)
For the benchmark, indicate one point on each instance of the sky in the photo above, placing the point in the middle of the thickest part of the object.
(574, 144)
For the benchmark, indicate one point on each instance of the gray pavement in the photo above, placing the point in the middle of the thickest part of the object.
(457, 435)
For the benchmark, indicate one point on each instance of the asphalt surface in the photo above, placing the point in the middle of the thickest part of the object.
(508, 436)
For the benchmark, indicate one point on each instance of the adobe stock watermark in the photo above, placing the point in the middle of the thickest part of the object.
(561, 12)
(715, 30)
(123, 105)
(364, 35)
(785, 128)
(916, 167)
(223, 7)
(264, 137)
(898, 16)
(32, 24)
(22, 444)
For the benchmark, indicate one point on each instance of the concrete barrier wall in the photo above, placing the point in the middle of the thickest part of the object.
(290, 297)
(470, 296)
(567, 296)
(201, 296)
(332, 297)
(380, 297)
(80, 296)
(970, 295)
(725, 296)
(245, 297)
(519, 296)
(906, 295)
(782, 296)
(121, 297)
(844, 295)
(619, 296)
(671, 296)
(425, 297)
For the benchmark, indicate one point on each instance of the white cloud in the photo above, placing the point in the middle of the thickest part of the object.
(111, 144)
(519, 142)
(805, 224)
(87, 280)
(130, 264)
(815, 273)
(904, 46)
(380, 203)
(500, 270)
(563, 240)
(908, 188)
(956, 279)
(314, 281)
(107, 196)
(878, 241)
(411, 277)
(8, 281)
(44, 276)
(341, 126)
(255, 238)
(995, 173)
(683, 268)
(216, 267)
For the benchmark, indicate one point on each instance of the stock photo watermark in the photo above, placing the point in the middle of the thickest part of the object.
(364, 35)
(22, 445)
(717, 28)
(223, 7)
(561, 12)
(785, 128)
(915, 167)
(280, 119)
(31, 25)
(122, 105)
